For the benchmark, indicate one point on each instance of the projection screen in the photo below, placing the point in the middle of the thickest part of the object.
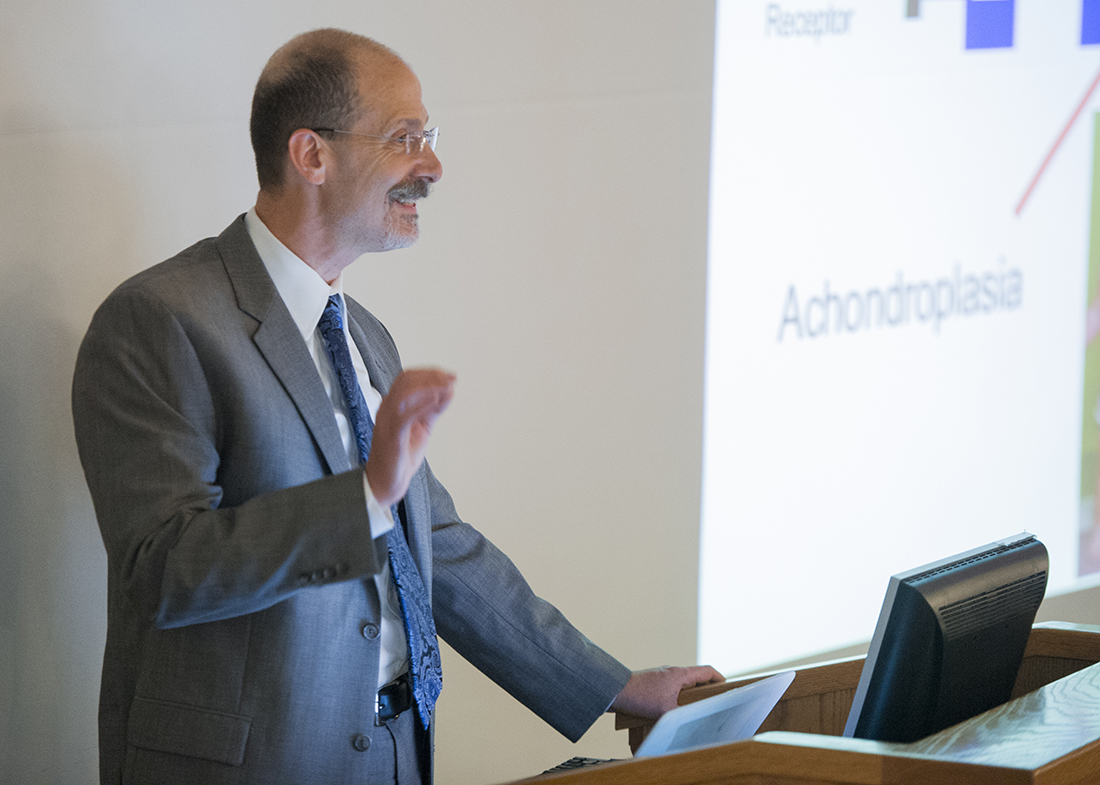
(902, 269)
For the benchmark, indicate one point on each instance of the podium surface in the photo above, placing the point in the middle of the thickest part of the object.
(1048, 734)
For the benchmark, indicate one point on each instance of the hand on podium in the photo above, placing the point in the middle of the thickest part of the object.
(651, 693)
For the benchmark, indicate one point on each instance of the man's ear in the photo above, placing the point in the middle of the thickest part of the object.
(308, 155)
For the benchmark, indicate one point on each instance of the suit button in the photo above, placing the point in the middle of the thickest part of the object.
(370, 631)
(328, 574)
(361, 742)
(317, 576)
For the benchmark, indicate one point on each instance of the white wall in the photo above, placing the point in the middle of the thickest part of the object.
(560, 274)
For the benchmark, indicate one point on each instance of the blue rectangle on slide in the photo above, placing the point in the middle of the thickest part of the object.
(989, 23)
(1090, 22)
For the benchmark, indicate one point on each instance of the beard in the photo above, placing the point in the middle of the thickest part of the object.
(403, 231)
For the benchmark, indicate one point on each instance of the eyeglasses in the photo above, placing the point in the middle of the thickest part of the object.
(414, 143)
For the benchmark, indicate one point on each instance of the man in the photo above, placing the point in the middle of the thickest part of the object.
(268, 595)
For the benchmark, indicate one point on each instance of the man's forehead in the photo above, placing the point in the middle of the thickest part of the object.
(390, 90)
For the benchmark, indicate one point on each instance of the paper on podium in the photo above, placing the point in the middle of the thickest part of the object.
(719, 719)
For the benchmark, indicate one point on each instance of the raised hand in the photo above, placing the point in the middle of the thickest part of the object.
(402, 429)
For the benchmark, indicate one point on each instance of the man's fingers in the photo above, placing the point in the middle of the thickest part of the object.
(420, 379)
(702, 674)
(418, 391)
(426, 400)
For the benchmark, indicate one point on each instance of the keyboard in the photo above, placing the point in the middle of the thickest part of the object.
(578, 763)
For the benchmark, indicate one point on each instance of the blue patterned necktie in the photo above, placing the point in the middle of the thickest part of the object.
(425, 669)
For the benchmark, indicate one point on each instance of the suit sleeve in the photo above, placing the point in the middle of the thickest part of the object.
(152, 404)
(486, 610)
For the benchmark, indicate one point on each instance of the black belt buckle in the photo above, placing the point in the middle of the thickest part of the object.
(393, 699)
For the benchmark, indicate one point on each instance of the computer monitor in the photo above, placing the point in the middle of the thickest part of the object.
(949, 640)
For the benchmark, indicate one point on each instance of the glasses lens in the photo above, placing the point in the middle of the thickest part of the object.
(414, 145)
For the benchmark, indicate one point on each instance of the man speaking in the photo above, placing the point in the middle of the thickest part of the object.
(280, 555)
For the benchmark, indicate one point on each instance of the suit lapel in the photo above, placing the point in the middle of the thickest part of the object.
(417, 508)
(279, 341)
(369, 336)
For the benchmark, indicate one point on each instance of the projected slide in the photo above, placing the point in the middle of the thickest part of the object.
(901, 299)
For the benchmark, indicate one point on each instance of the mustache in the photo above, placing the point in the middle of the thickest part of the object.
(410, 190)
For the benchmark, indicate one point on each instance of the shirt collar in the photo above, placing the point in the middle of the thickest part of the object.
(302, 289)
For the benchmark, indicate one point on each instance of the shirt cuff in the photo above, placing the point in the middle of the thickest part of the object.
(381, 518)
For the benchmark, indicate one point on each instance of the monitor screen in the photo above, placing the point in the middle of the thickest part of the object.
(949, 640)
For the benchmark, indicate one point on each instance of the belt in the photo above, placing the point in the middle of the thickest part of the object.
(393, 699)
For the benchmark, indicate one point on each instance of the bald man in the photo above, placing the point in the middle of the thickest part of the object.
(280, 554)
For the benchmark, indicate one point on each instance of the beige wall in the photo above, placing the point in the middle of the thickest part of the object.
(560, 274)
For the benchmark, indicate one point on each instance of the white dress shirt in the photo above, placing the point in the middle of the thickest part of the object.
(306, 294)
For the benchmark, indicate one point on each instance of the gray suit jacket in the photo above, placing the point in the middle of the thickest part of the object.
(241, 641)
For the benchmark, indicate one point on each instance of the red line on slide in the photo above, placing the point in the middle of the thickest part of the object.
(1054, 149)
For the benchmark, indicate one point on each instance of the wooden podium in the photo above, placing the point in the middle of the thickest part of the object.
(1048, 733)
